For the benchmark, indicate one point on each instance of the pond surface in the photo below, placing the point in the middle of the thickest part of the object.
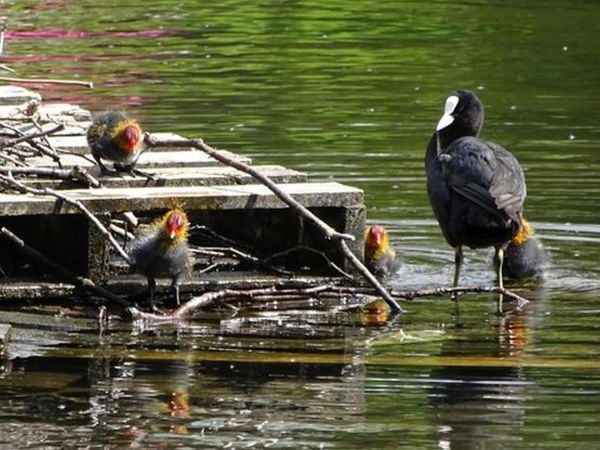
(350, 91)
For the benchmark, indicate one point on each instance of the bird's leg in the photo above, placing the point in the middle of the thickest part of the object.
(103, 169)
(152, 287)
(175, 288)
(499, 257)
(458, 259)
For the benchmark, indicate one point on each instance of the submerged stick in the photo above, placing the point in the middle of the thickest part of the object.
(301, 210)
(47, 81)
(81, 282)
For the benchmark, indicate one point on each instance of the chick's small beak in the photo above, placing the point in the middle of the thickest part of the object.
(172, 234)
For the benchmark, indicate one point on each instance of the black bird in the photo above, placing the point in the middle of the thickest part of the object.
(476, 188)
(525, 257)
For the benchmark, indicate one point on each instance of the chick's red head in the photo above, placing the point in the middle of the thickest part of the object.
(176, 224)
(376, 236)
(130, 137)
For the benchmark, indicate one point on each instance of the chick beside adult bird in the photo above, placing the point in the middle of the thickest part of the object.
(114, 137)
(162, 251)
(380, 257)
(476, 188)
(525, 257)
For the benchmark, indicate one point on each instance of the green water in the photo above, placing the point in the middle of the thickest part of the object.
(349, 91)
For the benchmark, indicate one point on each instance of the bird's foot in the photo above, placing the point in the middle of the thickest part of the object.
(134, 172)
(109, 172)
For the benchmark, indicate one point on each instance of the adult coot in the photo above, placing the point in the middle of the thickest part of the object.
(476, 188)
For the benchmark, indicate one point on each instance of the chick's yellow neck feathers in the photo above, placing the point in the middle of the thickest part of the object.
(374, 251)
(525, 232)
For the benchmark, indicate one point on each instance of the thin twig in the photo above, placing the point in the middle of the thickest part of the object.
(48, 81)
(302, 211)
(81, 282)
(20, 187)
(54, 154)
(234, 252)
(28, 137)
(76, 172)
(328, 261)
(12, 160)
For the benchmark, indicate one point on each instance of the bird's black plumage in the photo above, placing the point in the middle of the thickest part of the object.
(476, 188)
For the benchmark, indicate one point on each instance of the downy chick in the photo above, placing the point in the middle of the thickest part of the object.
(525, 257)
(114, 137)
(380, 257)
(162, 251)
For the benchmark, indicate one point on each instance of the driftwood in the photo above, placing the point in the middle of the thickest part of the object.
(81, 282)
(337, 238)
(187, 310)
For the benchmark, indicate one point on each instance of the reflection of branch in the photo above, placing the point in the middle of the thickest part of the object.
(20, 187)
(329, 232)
(81, 282)
(46, 81)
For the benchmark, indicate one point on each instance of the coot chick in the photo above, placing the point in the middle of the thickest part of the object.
(380, 257)
(114, 137)
(476, 188)
(525, 257)
(162, 251)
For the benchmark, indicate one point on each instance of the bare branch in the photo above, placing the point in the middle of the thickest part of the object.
(28, 137)
(81, 282)
(77, 172)
(330, 233)
(20, 187)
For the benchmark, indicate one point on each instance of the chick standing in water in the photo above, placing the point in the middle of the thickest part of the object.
(114, 137)
(525, 257)
(162, 251)
(380, 257)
